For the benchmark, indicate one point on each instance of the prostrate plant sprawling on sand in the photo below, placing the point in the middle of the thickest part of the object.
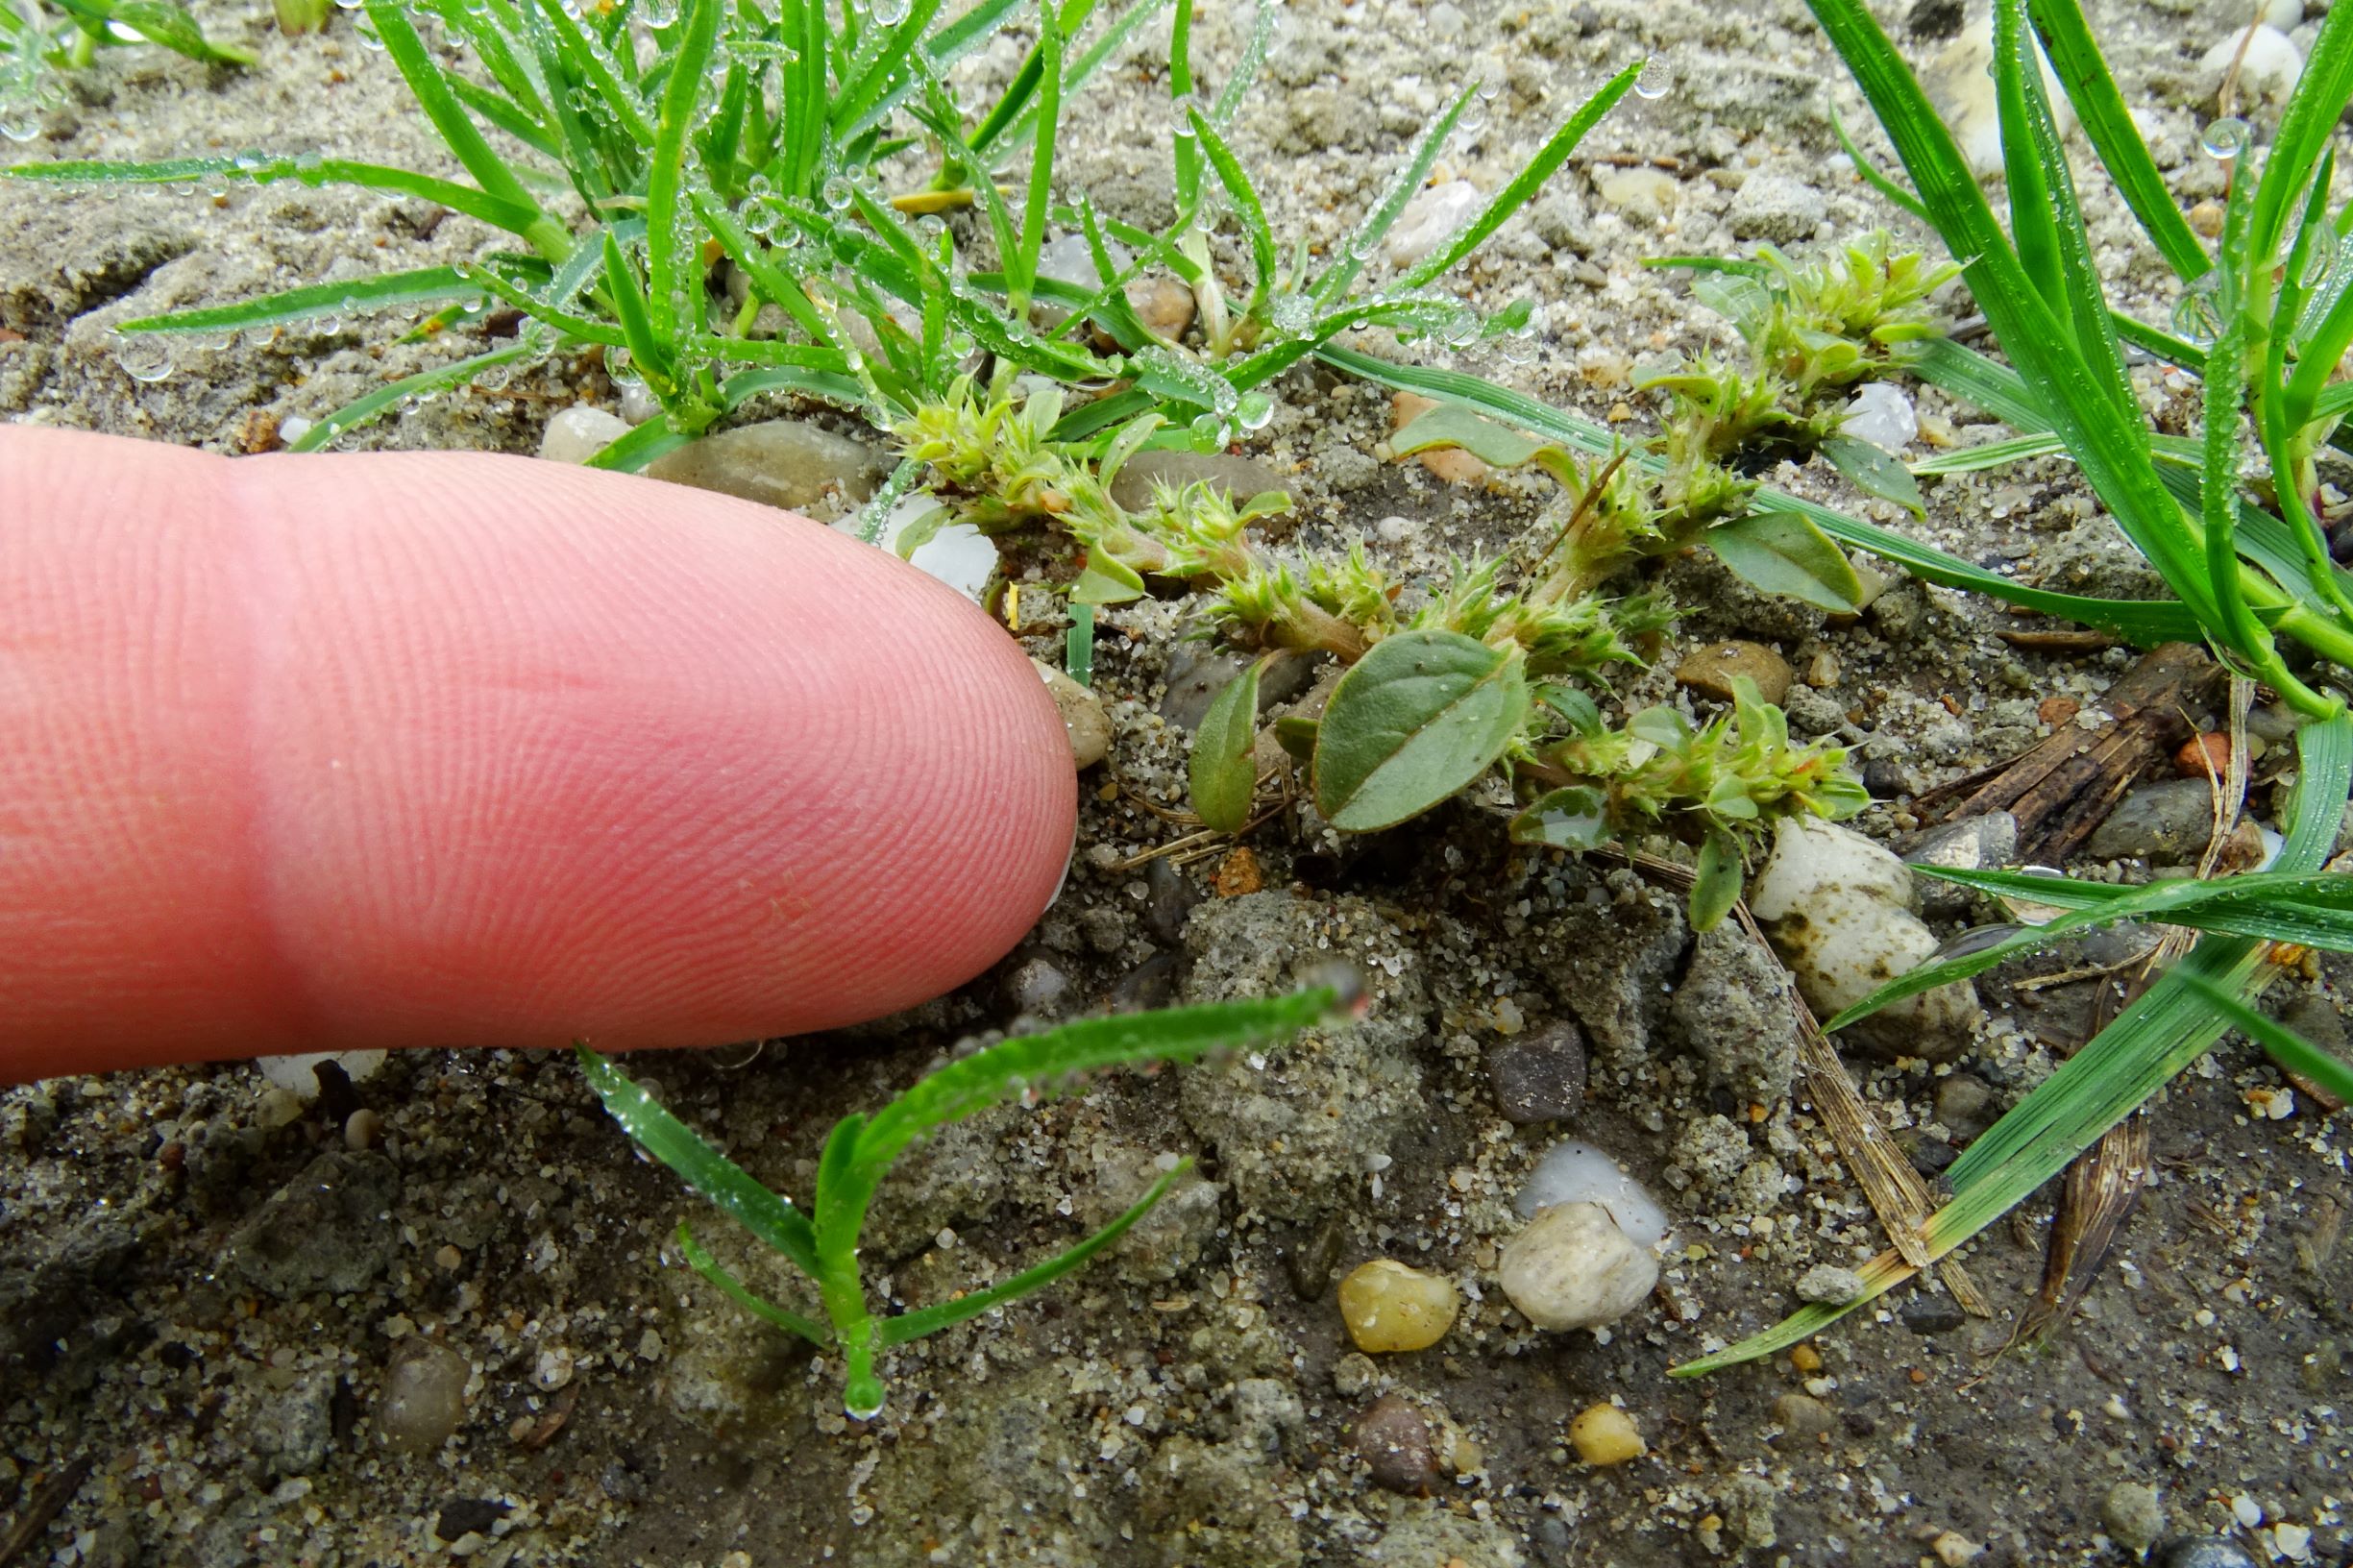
(821, 1241)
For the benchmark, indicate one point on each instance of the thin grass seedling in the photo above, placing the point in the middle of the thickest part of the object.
(820, 1241)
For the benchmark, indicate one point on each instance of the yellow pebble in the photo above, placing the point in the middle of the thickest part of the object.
(1806, 1360)
(1605, 1434)
(1387, 1306)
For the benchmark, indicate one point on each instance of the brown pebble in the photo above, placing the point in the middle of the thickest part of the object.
(258, 432)
(1802, 1416)
(2206, 217)
(1238, 873)
(1393, 1441)
(2056, 710)
(1712, 669)
(1164, 303)
(1451, 464)
(173, 1155)
(2204, 756)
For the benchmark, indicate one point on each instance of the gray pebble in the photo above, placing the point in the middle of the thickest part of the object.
(1732, 1011)
(295, 1429)
(425, 1396)
(1036, 986)
(1964, 1104)
(1777, 208)
(1540, 1077)
(1393, 1441)
(1238, 478)
(1198, 672)
(1802, 1416)
(469, 1515)
(2134, 1514)
(1972, 844)
(1148, 985)
(1829, 1284)
(2166, 822)
(1925, 1314)
(2201, 1552)
(1885, 779)
(778, 462)
(1169, 898)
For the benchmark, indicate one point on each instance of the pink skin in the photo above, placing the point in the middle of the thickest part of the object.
(305, 753)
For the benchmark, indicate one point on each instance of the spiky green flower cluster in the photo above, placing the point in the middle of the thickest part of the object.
(1814, 331)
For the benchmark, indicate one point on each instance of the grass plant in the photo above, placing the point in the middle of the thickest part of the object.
(820, 1242)
(40, 38)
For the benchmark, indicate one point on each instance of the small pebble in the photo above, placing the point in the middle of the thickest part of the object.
(1605, 1434)
(2204, 756)
(1963, 1104)
(1389, 1307)
(1540, 1077)
(2168, 823)
(779, 462)
(1169, 898)
(1082, 715)
(1805, 1360)
(277, 1108)
(1163, 304)
(1881, 414)
(2134, 1514)
(580, 432)
(1925, 1314)
(1711, 670)
(2056, 710)
(1430, 217)
(1236, 479)
(1451, 464)
(1953, 1549)
(425, 1396)
(1645, 194)
(1574, 1268)
(1036, 986)
(1829, 1286)
(1802, 1416)
(1393, 1441)
(2268, 69)
(1238, 873)
(362, 1129)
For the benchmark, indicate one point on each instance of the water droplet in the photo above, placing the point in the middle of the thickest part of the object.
(2318, 265)
(307, 163)
(2224, 138)
(493, 377)
(1657, 75)
(1254, 412)
(20, 119)
(2194, 320)
(836, 193)
(1294, 314)
(145, 356)
(892, 12)
(659, 12)
(1474, 116)
(1209, 432)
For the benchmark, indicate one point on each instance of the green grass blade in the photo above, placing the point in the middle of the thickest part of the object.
(2146, 623)
(728, 1186)
(862, 94)
(426, 80)
(673, 257)
(332, 171)
(629, 300)
(734, 1289)
(1371, 229)
(2283, 1045)
(391, 395)
(158, 22)
(1525, 185)
(1993, 454)
(915, 1325)
(2107, 124)
(587, 329)
(1021, 266)
(2034, 227)
(1245, 198)
(515, 83)
(1007, 1071)
(387, 291)
(1895, 195)
(502, 115)
(592, 64)
(773, 283)
(995, 130)
(632, 452)
(2316, 912)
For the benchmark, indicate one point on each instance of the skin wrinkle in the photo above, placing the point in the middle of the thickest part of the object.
(615, 757)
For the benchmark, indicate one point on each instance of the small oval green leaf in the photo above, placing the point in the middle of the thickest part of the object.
(1223, 775)
(1875, 472)
(1783, 553)
(1716, 886)
(1298, 736)
(1419, 717)
(1575, 817)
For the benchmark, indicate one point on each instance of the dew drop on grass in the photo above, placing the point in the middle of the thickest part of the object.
(2194, 319)
(1294, 314)
(1254, 410)
(836, 193)
(892, 12)
(1655, 78)
(659, 12)
(1209, 432)
(2223, 139)
(145, 356)
(2318, 265)
(20, 119)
